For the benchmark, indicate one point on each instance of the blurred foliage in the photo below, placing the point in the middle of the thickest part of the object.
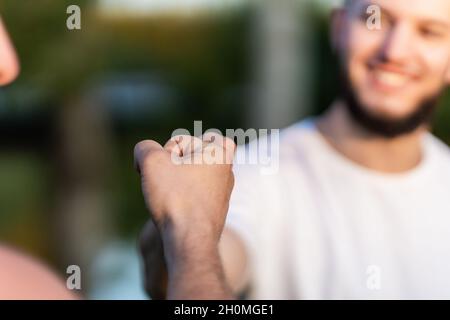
(441, 125)
(203, 58)
(23, 194)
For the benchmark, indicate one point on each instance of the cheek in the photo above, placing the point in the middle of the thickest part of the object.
(362, 45)
(437, 63)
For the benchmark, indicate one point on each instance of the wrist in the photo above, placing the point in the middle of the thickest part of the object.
(193, 262)
(188, 242)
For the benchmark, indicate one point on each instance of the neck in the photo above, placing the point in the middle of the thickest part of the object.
(390, 155)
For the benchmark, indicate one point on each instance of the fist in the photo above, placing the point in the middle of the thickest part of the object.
(187, 183)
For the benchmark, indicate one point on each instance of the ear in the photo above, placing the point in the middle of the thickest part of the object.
(9, 64)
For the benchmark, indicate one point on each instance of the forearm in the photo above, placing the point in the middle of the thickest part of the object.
(195, 269)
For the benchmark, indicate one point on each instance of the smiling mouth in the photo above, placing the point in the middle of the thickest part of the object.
(391, 79)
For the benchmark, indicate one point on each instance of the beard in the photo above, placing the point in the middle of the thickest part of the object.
(385, 126)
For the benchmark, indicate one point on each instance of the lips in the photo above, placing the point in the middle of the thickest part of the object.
(391, 79)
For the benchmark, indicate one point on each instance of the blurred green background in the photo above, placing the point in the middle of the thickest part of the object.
(68, 190)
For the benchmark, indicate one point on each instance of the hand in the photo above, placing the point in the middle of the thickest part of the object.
(187, 186)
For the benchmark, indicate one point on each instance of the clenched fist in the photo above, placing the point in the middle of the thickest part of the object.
(187, 185)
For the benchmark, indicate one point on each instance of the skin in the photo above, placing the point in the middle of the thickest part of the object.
(9, 65)
(391, 70)
(21, 277)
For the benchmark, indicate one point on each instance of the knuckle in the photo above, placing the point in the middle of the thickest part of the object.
(181, 138)
(153, 157)
(212, 135)
(230, 144)
(152, 160)
(140, 146)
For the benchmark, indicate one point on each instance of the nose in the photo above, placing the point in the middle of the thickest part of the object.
(397, 45)
(9, 64)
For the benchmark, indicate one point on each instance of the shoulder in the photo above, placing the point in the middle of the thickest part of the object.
(298, 137)
(439, 149)
(22, 277)
(262, 155)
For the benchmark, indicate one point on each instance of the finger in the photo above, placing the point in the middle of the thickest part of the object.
(143, 150)
(188, 144)
(226, 143)
(212, 136)
(220, 140)
(230, 150)
(173, 147)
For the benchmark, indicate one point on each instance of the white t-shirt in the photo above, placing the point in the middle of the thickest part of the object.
(324, 227)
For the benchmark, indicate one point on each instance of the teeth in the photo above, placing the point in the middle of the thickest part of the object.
(391, 78)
